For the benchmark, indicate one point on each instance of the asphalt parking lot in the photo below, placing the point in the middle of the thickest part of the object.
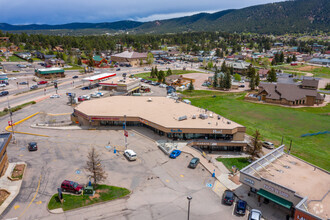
(159, 184)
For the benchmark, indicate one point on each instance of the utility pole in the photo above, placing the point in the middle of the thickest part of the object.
(11, 121)
(125, 133)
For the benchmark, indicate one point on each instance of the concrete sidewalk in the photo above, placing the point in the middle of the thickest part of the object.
(13, 187)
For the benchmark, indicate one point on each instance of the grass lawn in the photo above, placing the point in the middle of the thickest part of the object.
(240, 163)
(103, 193)
(36, 59)
(74, 67)
(274, 122)
(323, 72)
(16, 59)
(174, 72)
(16, 108)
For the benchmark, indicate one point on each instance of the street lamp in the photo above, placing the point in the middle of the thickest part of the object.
(189, 198)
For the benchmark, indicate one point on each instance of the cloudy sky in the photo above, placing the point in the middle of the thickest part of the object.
(67, 11)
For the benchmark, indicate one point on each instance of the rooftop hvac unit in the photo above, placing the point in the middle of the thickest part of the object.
(150, 100)
(228, 122)
(194, 117)
(182, 118)
(203, 116)
(211, 115)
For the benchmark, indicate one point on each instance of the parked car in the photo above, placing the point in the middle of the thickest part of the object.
(130, 154)
(23, 83)
(42, 82)
(55, 96)
(75, 77)
(32, 146)
(34, 87)
(194, 162)
(240, 208)
(95, 95)
(118, 69)
(86, 97)
(157, 84)
(268, 145)
(4, 93)
(3, 85)
(255, 214)
(70, 186)
(85, 88)
(124, 74)
(228, 197)
(21, 65)
(175, 154)
(242, 86)
(80, 99)
(100, 93)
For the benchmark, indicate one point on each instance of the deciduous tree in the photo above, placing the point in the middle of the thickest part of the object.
(94, 167)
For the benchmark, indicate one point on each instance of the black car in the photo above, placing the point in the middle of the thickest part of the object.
(242, 86)
(32, 146)
(240, 208)
(3, 93)
(85, 88)
(193, 163)
(124, 74)
(74, 77)
(23, 83)
(118, 69)
(228, 197)
(34, 87)
(157, 84)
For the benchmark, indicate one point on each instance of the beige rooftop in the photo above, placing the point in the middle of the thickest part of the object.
(119, 80)
(302, 178)
(160, 110)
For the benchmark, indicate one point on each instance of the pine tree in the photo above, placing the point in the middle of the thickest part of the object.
(160, 76)
(191, 86)
(294, 58)
(223, 67)
(252, 82)
(271, 77)
(282, 57)
(215, 80)
(156, 71)
(227, 80)
(152, 73)
(221, 82)
(277, 58)
(273, 62)
(257, 80)
(169, 72)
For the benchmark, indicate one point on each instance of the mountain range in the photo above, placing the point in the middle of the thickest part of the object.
(295, 16)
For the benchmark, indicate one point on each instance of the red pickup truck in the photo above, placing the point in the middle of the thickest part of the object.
(42, 82)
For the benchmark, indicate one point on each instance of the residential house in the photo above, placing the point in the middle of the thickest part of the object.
(240, 67)
(98, 60)
(263, 73)
(178, 80)
(290, 94)
(24, 55)
(58, 48)
(4, 39)
(54, 62)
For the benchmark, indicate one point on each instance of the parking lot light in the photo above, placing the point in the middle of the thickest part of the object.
(189, 199)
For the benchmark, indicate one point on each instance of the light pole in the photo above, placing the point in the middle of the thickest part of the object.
(125, 133)
(11, 121)
(189, 198)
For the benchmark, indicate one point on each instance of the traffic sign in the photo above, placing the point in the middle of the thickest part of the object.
(125, 133)
(10, 123)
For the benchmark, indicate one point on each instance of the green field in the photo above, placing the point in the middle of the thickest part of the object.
(323, 72)
(106, 193)
(274, 122)
(16, 59)
(240, 162)
(174, 72)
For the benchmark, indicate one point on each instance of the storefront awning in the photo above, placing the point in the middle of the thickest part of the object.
(274, 198)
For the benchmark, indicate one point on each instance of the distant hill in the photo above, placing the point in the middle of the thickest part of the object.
(276, 18)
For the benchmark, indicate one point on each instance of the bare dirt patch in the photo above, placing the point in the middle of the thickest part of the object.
(3, 195)
(18, 171)
(306, 68)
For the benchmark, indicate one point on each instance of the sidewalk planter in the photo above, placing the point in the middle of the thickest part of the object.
(17, 173)
(3, 195)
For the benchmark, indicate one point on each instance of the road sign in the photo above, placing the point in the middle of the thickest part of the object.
(10, 123)
(209, 185)
(125, 133)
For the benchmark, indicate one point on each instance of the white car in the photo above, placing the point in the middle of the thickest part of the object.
(87, 97)
(130, 154)
(3, 85)
(268, 145)
(100, 93)
(55, 96)
(95, 95)
(255, 215)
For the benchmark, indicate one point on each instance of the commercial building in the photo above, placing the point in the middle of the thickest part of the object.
(122, 84)
(291, 183)
(4, 141)
(166, 117)
(99, 77)
(49, 73)
(127, 57)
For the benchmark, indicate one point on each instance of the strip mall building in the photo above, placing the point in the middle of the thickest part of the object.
(166, 117)
(297, 187)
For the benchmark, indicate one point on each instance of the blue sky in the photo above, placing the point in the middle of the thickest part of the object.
(67, 11)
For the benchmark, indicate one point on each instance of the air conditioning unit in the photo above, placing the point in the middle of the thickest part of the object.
(203, 116)
(182, 118)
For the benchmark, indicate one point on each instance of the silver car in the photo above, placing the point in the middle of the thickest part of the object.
(255, 214)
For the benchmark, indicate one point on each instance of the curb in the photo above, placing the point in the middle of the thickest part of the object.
(95, 204)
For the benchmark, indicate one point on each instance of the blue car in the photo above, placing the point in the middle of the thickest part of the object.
(175, 154)
(240, 207)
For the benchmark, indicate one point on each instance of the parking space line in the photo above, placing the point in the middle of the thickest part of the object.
(35, 195)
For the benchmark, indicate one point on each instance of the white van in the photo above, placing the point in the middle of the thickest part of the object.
(130, 154)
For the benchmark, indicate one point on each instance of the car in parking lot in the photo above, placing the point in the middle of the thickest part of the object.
(4, 93)
(100, 93)
(80, 99)
(130, 154)
(241, 86)
(255, 214)
(55, 96)
(268, 145)
(42, 82)
(240, 208)
(228, 197)
(95, 95)
(34, 87)
(21, 65)
(32, 146)
(70, 186)
(23, 83)
(75, 77)
(175, 154)
(118, 69)
(86, 97)
(193, 163)
(3, 85)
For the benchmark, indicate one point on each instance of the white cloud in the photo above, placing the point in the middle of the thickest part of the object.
(154, 17)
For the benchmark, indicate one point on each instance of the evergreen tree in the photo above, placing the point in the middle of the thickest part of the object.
(156, 71)
(252, 82)
(160, 76)
(191, 86)
(152, 73)
(257, 80)
(273, 62)
(215, 80)
(227, 80)
(223, 67)
(282, 57)
(169, 72)
(294, 58)
(221, 82)
(277, 58)
(218, 52)
(271, 77)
